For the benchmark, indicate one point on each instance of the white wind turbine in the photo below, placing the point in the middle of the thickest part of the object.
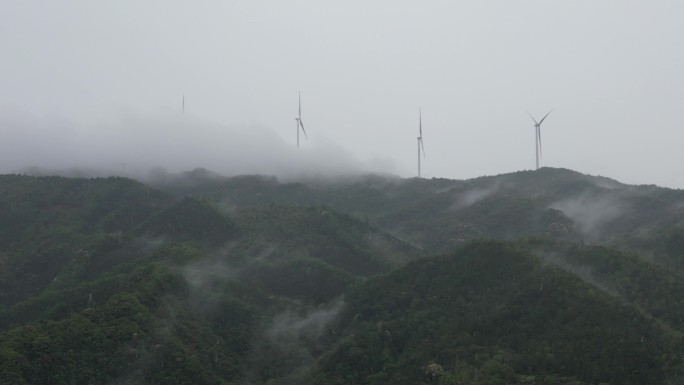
(537, 137)
(420, 139)
(299, 120)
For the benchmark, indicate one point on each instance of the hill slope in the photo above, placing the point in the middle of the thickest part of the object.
(91, 267)
(249, 280)
(492, 314)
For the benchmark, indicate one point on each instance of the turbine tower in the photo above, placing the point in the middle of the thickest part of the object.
(537, 137)
(299, 120)
(420, 139)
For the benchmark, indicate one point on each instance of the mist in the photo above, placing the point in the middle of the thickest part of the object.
(140, 144)
(472, 196)
(291, 338)
(591, 212)
(287, 327)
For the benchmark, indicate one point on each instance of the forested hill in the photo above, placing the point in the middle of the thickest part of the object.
(439, 214)
(493, 314)
(544, 277)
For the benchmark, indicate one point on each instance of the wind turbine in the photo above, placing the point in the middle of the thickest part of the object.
(299, 120)
(420, 139)
(537, 137)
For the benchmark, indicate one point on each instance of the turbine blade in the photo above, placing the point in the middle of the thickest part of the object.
(540, 122)
(422, 146)
(300, 104)
(420, 128)
(530, 115)
(420, 124)
(302, 126)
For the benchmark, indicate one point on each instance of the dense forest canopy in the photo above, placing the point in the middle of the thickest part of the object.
(536, 277)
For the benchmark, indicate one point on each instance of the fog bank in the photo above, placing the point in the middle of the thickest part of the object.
(134, 144)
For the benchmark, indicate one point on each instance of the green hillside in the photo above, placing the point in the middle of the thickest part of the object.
(493, 314)
(544, 277)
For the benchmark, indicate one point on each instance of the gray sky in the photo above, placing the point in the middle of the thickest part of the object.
(100, 84)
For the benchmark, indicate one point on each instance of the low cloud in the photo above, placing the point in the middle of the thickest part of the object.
(289, 326)
(132, 144)
(200, 274)
(590, 212)
(471, 197)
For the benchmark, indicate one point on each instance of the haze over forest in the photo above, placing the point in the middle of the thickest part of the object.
(100, 86)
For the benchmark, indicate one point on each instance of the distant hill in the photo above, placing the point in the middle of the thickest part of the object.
(439, 214)
(535, 277)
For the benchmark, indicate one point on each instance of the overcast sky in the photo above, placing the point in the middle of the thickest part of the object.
(100, 84)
